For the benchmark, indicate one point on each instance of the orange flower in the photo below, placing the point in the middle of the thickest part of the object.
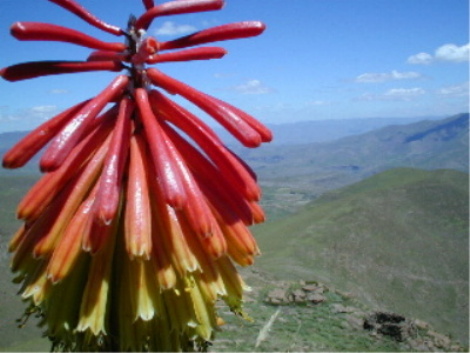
(131, 235)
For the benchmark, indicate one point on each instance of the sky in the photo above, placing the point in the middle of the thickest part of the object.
(317, 59)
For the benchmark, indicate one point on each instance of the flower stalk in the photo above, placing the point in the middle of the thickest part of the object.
(132, 234)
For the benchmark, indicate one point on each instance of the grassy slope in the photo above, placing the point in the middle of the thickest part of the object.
(397, 240)
(11, 190)
(306, 327)
(11, 308)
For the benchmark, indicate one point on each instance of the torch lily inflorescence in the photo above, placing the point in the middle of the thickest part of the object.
(133, 231)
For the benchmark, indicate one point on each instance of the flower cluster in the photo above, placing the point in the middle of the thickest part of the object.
(133, 231)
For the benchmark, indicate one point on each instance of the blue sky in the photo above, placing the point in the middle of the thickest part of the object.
(318, 59)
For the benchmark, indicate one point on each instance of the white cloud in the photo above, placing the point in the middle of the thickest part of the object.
(394, 94)
(28, 117)
(58, 91)
(169, 28)
(43, 109)
(318, 103)
(223, 75)
(5, 115)
(451, 52)
(253, 87)
(373, 77)
(38, 113)
(404, 93)
(420, 59)
(461, 90)
(446, 52)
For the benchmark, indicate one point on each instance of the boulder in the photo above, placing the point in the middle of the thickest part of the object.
(277, 296)
(390, 324)
(315, 298)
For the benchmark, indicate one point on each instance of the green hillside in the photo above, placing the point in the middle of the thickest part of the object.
(398, 240)
(12, 188)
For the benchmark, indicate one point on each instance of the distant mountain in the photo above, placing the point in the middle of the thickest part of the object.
(316, 167)
(8, 139)
(313, 131)
(398, 240)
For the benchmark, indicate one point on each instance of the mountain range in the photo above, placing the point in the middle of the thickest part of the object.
(313, 131)
(305, 171)
(295, 133)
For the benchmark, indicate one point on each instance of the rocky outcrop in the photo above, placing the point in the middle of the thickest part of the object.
(390, 324)
(306, 294)
(414, 335)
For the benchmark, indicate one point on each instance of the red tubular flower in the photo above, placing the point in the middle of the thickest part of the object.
(204, 53)
(148, 4)
(131, 235)
(137, 222)
(233, 122)
(84, 14)
(35, 140)
(67, 138)
(34, 69)
(165, 167)
(107, 198)
(46, 31)
(230, 31)
(175, 8)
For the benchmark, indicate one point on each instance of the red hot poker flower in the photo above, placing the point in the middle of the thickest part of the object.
(131, 235)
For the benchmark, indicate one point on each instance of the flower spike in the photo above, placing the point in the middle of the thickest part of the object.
(131, 235)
